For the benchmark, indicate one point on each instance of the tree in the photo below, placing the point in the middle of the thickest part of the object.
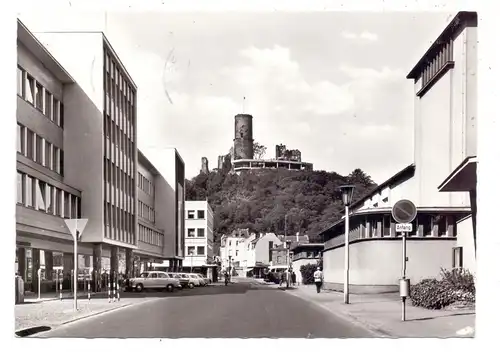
(259, 151)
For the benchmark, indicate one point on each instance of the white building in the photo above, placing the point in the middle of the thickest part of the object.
(199, 236)
(443, 234)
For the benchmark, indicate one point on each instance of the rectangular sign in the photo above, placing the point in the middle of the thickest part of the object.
(404, 227)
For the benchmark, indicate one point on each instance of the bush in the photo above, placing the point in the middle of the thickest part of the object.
(307, 272)
(455, 286)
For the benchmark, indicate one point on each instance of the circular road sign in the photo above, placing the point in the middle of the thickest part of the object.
(404, 211)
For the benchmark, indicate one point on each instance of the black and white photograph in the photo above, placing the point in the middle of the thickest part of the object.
(246, 174)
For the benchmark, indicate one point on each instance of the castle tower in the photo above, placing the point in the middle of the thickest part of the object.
(243, 137)
(204, 165)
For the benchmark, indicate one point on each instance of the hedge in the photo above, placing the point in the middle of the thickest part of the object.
(307, 272)
(454, 286)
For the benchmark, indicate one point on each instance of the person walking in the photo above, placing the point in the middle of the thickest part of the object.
(318, 279)
(294, 278)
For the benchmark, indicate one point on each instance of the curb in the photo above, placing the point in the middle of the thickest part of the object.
(379, 333)
(96, 314)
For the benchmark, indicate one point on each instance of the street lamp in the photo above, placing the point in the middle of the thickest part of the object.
(347, 192)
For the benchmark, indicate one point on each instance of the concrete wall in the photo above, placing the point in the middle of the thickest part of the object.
(465, 239)
(375, 264)
(445, 117)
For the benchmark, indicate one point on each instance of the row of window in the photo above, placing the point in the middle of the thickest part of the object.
(434, 65)
(121, 223)
(145, 185)
(34, 93)
(47, 198)
(191, 232)
(117, 136)
(200, 250)
(200, 214)
(39, 150)
(121, 82)
(146, 212)
(117, 177)
(426, 221)
(150, 236)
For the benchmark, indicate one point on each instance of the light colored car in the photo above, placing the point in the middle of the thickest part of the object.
(203, 279)
(154, 280)
(196, 279)
(185, 279)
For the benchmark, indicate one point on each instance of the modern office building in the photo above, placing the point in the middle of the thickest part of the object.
(443, 235)
(170, 204)
(100, 143)
(46, 193)
(199, 238)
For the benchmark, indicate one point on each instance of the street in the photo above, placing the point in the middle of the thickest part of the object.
(240, 310)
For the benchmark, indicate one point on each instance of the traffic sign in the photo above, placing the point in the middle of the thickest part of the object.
(75, 225)
(404, 211)
(404, 227)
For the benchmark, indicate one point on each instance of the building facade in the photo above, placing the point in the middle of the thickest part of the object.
(304, 254)
(199, 241)
(100, 144)
(445, 81)
(443, 111)
(170, 207)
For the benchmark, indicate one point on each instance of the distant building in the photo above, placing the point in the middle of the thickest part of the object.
(304, 254)
(199, 238)
(287, 155)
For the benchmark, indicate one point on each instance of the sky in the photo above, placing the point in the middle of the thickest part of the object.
(330, 84)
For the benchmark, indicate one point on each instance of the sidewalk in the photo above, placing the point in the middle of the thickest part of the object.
(30, 297)
(382, 314)
(54, 313)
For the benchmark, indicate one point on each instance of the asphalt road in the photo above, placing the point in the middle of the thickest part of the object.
(240, 310)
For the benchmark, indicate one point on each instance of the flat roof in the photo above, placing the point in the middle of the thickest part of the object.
(26, 37)
(467, 162)
(462, 20)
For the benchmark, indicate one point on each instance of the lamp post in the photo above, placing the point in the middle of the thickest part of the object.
(347, 192)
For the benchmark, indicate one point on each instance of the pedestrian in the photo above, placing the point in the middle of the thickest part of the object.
(294, 278)
(318, 279)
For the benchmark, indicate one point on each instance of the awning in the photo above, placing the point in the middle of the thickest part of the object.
(463, 178)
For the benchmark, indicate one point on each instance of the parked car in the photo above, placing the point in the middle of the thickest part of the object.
(203, 280)
(185, 280)
(196, 279)
(154, 280)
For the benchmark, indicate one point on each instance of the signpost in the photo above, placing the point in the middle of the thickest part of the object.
(404, 212)
(76, 227)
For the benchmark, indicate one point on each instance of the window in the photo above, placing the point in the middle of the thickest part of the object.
(39, 149)
(190, 250)
(373, 228)
(30, 89)
(57, 196)
(67, 202)
(201, 251)
(457, 259)
(440, 221)
(48, 105)
(201, 232)
(20, 82)
(29, 191)
(48, 154)
(30, 144)
(49, 200)
(426, 221)
(236, 252)
(39, 97)
(201, 214)
(20, 139)
(74, 206)
(386, 225)
(191, 232)
(55, 159)
(20, 188)
(191, 214)
(153, 275)
(61, 115)
(61, 162)
(79, 208)
(40, 195)
(55, 111)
